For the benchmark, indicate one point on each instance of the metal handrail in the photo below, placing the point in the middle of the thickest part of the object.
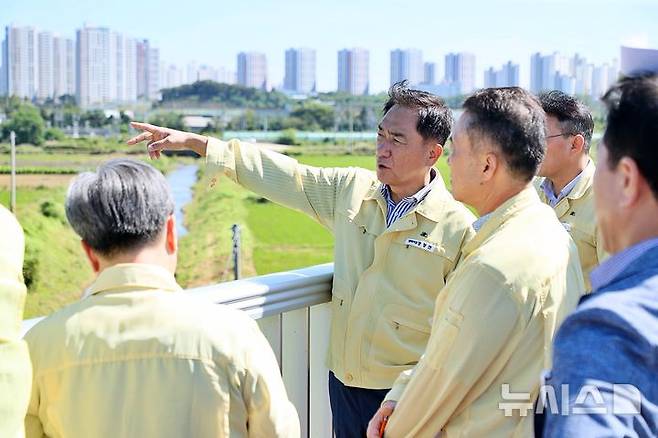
(272, 294)
(265, 295)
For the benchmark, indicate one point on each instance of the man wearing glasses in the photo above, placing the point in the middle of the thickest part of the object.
(568, 173)
(605, 354)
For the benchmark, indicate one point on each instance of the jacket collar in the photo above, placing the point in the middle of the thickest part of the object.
(524, 199)
(126, 277)
(582, 188)
(584, 183)
(431, 206)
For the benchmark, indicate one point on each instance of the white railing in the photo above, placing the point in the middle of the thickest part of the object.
(293, 312)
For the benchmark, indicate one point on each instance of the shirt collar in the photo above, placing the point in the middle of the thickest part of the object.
(574, 189)
(479, 223)
(519, 202)
(417, 197)
(614, 265)
(549, 191)
(584, 182)
(126, 277)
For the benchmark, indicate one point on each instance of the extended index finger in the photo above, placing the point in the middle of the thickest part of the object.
(140, 138)
(146, 127)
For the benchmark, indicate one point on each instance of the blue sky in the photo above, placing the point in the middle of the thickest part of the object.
(213, 31)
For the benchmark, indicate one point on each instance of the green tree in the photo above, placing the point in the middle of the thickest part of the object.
(225, 95)
(246, 122)
(69, 114)
(95, 118)
(11, 104)
(125, 118)
(169, 120)
(363, 121)
(312, 116)
(27, 123)
(47, 113)
(67, 100)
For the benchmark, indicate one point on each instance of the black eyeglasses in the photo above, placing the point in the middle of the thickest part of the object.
(559, 135)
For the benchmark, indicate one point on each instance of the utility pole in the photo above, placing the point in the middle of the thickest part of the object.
(12, 202)
(349, 111)
(236, 251)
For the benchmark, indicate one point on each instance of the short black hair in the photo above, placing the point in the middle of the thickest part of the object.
(434, 117)
(632, 125)
(573, 115)
(513, 119)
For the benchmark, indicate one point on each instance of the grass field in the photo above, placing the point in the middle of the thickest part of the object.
(286, 239)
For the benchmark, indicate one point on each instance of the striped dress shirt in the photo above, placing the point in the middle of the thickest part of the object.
(395, 211)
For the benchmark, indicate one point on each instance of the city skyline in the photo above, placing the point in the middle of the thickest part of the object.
(110, 67)
(208, 33)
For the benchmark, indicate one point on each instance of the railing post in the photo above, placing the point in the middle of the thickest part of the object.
(294, 362)
(319, 409)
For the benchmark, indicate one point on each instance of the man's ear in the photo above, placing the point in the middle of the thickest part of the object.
(92, 257)
(489, 165)
(171, 238)
(436, 150)
(631, 182)
(578, 143)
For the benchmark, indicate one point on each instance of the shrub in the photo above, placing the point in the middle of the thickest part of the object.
(289, 137)
(30, 269)
(52, 210)
(54, 134)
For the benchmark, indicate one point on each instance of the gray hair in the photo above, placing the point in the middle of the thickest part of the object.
(122, 206)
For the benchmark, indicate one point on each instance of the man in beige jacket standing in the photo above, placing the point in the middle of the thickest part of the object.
(138, 357)
(518, 278)
(568, 173)
(399, 234)
(15, 371)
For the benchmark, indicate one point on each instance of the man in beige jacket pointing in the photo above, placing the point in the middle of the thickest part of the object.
(399, 234)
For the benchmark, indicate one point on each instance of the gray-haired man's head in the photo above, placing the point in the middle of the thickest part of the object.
(121, 207)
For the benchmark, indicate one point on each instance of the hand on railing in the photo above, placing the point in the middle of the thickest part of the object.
(159, 139)
(377, 425)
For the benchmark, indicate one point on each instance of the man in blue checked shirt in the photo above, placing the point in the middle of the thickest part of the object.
(606, 352)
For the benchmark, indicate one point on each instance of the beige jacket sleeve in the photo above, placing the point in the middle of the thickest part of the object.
(280, 178)
(468, 335)
(270, 412)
